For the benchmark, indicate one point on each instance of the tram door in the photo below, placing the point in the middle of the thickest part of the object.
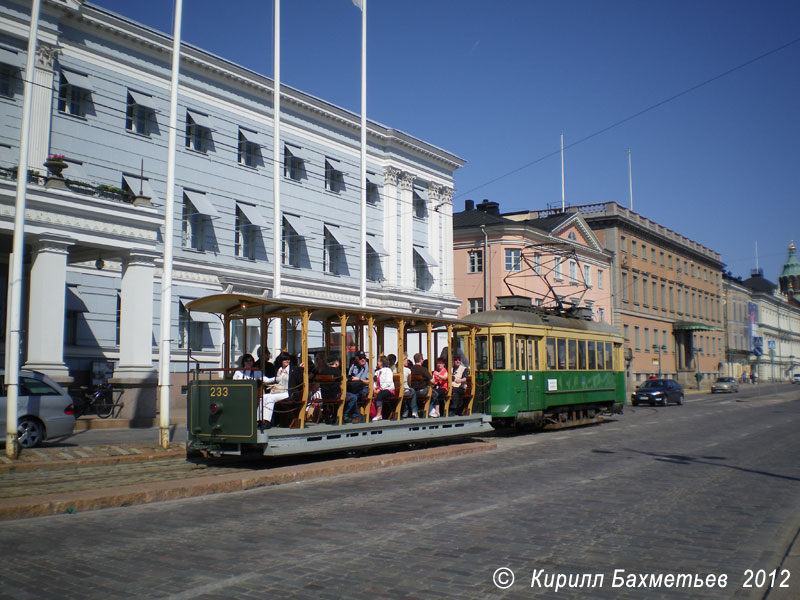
(525, 367)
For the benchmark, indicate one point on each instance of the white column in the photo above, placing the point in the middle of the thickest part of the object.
(390, 229)
(46, 307)
(435, 236)
(41, 106)
(447, 240)
(136, 330)
(406, 248)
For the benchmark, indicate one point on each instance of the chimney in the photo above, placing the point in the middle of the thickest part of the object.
(490, 208)
(469, 205)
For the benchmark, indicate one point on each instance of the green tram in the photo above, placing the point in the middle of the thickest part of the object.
(223, 410)
(546, 368)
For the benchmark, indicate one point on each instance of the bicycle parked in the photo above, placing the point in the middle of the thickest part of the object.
(104, 401)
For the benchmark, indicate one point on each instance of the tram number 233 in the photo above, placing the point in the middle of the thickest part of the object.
(218, 391)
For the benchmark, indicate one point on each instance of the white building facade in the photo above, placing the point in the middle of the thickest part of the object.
(93, 257)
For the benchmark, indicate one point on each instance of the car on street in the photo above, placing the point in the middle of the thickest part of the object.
(658, 391)
(796, 378)
(725, 384)
(44, 409)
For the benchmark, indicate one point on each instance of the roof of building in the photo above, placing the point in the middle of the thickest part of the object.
(476, 218)
(791, 268)
(757, 283)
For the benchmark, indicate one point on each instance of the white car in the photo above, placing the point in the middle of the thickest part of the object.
(44, 409)
(796, 378)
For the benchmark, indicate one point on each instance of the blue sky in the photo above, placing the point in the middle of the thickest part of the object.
(498, 82)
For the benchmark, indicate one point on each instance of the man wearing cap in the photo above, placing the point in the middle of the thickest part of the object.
(357, 386)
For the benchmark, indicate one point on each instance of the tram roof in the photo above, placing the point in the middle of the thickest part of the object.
(541, 319)
(246, 306)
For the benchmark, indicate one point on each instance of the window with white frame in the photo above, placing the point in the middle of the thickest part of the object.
(291, 245)
(513, 259)
(373, 193)
(198, 131)
(624, 284)
(423, 280)
(420, 204)
(587, 275)
(191, 226)
(140, 113)
(572, 237)
(475, 305)
(573, 272)
(332, 253)
(601, 314)
(293, 163)
(557, 269)
(190, 332)
(475, 261)
(249, 151)
(244, 235)
(374, 268)
(334, 176)
(537, 263)
(8, 77)
(74, 93)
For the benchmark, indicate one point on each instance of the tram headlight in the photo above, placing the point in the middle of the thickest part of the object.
(215, 408)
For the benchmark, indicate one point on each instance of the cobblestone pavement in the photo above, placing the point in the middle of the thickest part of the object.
(712, 487)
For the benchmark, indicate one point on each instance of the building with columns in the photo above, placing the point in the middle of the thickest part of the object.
(94, 237)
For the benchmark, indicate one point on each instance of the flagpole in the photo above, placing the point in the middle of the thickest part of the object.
(277, 220)
(14, 325)
(630, 177)
(562, 174)
(165, 352)
(363, 244)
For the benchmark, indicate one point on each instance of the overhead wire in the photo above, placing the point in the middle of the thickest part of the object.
(632, 116)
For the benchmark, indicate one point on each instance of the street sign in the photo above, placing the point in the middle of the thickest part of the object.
(771, 344)
(757, 351)
(758, 342)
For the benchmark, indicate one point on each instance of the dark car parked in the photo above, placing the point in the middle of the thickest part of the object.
(658, 391)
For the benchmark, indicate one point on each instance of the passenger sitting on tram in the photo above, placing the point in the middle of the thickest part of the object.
(384, 385)
(460, 376)
(439, 381)
(392, 362)
(357, 384)
(269, 368)
(247, 368)
(331, 390)
(288, 378)
(425, 378)
(409, 393)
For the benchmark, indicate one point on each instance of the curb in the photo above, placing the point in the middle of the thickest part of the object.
(72, 502)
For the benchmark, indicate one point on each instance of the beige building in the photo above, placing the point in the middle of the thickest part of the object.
(669, 305)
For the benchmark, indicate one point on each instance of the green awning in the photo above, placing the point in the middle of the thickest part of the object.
(692, 326)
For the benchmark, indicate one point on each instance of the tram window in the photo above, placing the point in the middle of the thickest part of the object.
(582, 355)
(532, 366)
(592, 357)
(572, 354)
(551, 354)
(609, 357)
(498, 352)
(482, 352)
(601, 361)
(521, 366)
(562, 354)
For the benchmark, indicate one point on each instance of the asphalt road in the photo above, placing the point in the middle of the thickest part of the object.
(708, 488)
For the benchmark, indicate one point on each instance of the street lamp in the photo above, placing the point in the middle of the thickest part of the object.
(657, 348)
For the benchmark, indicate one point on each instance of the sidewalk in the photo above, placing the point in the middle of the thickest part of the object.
(86, 472)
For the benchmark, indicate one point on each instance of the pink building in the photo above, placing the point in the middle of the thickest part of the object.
(556, 259)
